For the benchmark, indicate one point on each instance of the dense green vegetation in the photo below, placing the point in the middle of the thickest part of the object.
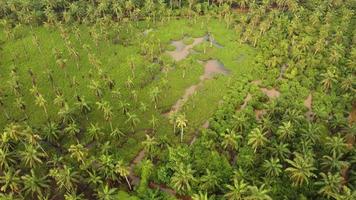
(179, 99)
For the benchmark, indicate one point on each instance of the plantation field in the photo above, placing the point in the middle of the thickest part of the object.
(35, 49)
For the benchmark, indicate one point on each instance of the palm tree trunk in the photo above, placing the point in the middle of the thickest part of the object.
(181, 135)
(128, 182)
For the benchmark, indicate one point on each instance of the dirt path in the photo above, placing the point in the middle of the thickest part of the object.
(308, 103)
(211, 68)
(135, 180)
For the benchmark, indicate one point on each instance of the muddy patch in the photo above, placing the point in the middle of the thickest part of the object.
(308, 103)
(211, 69)
(182, 50)
(271, 93)
(139, 157)
(246, 100)
(259, 114)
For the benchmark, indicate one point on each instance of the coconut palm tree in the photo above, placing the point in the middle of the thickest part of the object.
(285, 131)
(181, 122)
(336, 144)
(154, 95)
(95, 132)
(209, 182)
(10, 180)
(41, 102)
(258, 193)
(72, 129)
(65, 177)
(272, 167)
(34, 184)
(200, 196)
(7, 158)
(150, 145)
(330, 184)
(182, 178)
(96, 87)
(237, 191)
(106, 193)
(124, 171)
(31, 155)
(301, 169)
(78, 152)
(334, 163)
(133, 120)
(257, 138)
(154, 122)
(329, 79)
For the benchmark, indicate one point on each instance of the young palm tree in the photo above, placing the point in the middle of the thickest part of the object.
(237, 191)
(200, 196)
(154, 122)
(106, 193)
(7, 158)
(124, 171)
(181, 122)
(72, 129)
(95, 132)
(32, 155)
(96, 87)
(41, 102)
(257, 138)
(154, 94)
(272, 167)
(280, 150)
(150, 145)
(34, 184)
(65, 177)
(301, 169)
(73, 196)
(183, 178)
(329, 79)
(78, 152)
(10, 180)
(133, 120)
(50, 132)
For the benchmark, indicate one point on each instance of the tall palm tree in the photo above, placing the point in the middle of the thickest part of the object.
(183, 178)
(237, 191)
(7, 158)
(334, 163)
(257, 138)
(181, 122)
(301, 169)
(124, 171)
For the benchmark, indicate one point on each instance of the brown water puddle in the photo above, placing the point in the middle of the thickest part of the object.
(271, 93)
(182, 50)
(211, 68)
